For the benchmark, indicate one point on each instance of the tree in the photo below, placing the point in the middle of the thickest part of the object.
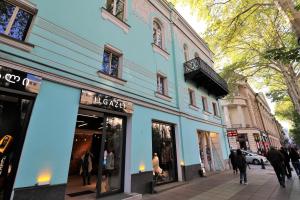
(256, 40)
(291, 8)
(295, 131)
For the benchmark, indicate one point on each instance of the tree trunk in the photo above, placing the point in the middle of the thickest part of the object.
(293, 15)
(292, 85)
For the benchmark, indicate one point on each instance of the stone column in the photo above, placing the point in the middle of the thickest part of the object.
(227, 117)
(251, 110)
(211, 153)
(241, 115)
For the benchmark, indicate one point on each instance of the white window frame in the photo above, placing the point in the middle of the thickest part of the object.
(114, 11)
(122, 24)
(21, 44)
(117, 79)
(161, 45)
(192, 97)
(215, 109)
(164, 95)
(205, 104)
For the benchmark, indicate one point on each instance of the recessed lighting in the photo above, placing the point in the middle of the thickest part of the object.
(81, 125)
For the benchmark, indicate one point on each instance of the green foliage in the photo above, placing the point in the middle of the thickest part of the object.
(250, 38)
(285, 110)
(295, 131)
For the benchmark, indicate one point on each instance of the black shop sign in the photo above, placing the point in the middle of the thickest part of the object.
(18, 80)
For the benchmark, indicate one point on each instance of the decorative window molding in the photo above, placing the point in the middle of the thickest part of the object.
(205, 104)
(158, 35)
(17, 23)
(164, 97)
(192, 97)
(121, 24)
(112, 65)
(194, 107)
(16, 43)
(215, 109)
(162, 87)
(111, 78)
(159, 50)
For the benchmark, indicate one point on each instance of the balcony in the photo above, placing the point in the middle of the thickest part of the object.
(200, 73)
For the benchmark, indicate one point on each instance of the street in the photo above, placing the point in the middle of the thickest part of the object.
(262, 184)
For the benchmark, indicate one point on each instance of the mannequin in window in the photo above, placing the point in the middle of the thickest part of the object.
(5, 157)
(155, 164)
(86, 167)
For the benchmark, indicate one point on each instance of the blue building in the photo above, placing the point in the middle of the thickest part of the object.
(104, 97)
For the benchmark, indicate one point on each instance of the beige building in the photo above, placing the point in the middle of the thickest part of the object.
(250, 123)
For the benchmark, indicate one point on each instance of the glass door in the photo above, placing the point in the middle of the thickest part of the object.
(111, 169)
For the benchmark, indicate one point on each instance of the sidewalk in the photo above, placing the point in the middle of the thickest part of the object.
(263, 185)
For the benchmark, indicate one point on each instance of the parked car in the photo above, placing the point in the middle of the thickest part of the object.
(253, 158)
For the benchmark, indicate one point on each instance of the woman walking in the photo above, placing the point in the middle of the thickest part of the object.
(242, 165)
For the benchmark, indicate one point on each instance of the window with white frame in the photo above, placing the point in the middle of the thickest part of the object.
(192, 97)
(205, 104)
(116, 8)
(15, 20)
(186, 52)
(162, 84)
(215, 107)
(111, 63)
(157, 34)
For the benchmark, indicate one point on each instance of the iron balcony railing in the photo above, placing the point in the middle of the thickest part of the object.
(197, 66)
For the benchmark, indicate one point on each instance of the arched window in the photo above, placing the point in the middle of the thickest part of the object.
(186, 52)
(157, 34)
(196, 55)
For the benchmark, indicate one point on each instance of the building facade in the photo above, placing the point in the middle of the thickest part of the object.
(250, 123)
(104, 97)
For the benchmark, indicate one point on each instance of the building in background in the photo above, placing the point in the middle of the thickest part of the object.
(104, 97)
(250, 123)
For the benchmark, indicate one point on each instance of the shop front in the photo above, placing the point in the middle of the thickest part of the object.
(18, 91)
(98, 154)
(163, 153)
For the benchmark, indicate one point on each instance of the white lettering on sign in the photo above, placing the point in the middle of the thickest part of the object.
(112, 103)
(11, 78)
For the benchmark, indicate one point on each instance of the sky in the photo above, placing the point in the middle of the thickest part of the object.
(200, 27)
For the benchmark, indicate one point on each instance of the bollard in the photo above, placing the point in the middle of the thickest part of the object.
(262, 164)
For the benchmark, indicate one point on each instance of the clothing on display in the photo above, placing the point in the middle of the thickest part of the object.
(110, 161)
(86, 168)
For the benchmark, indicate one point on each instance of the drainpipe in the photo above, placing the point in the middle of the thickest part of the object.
(264, 127)
(178, 100)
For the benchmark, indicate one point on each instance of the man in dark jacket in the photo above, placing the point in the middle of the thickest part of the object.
(242, 165)
(287, 167)
(277, 161)
(232, 158)
(295, 160)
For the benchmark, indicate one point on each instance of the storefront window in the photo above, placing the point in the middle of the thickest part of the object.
(97, 156)
(163, 153)
(112, 156)
(14, 116)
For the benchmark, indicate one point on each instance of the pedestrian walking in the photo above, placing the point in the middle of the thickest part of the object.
(295, 160)
(287, 167)
(232, 158)
(242, 165)
(277, 161)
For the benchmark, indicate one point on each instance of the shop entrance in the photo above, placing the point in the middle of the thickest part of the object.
(96, 166)
(15, 111)
(163, 153)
